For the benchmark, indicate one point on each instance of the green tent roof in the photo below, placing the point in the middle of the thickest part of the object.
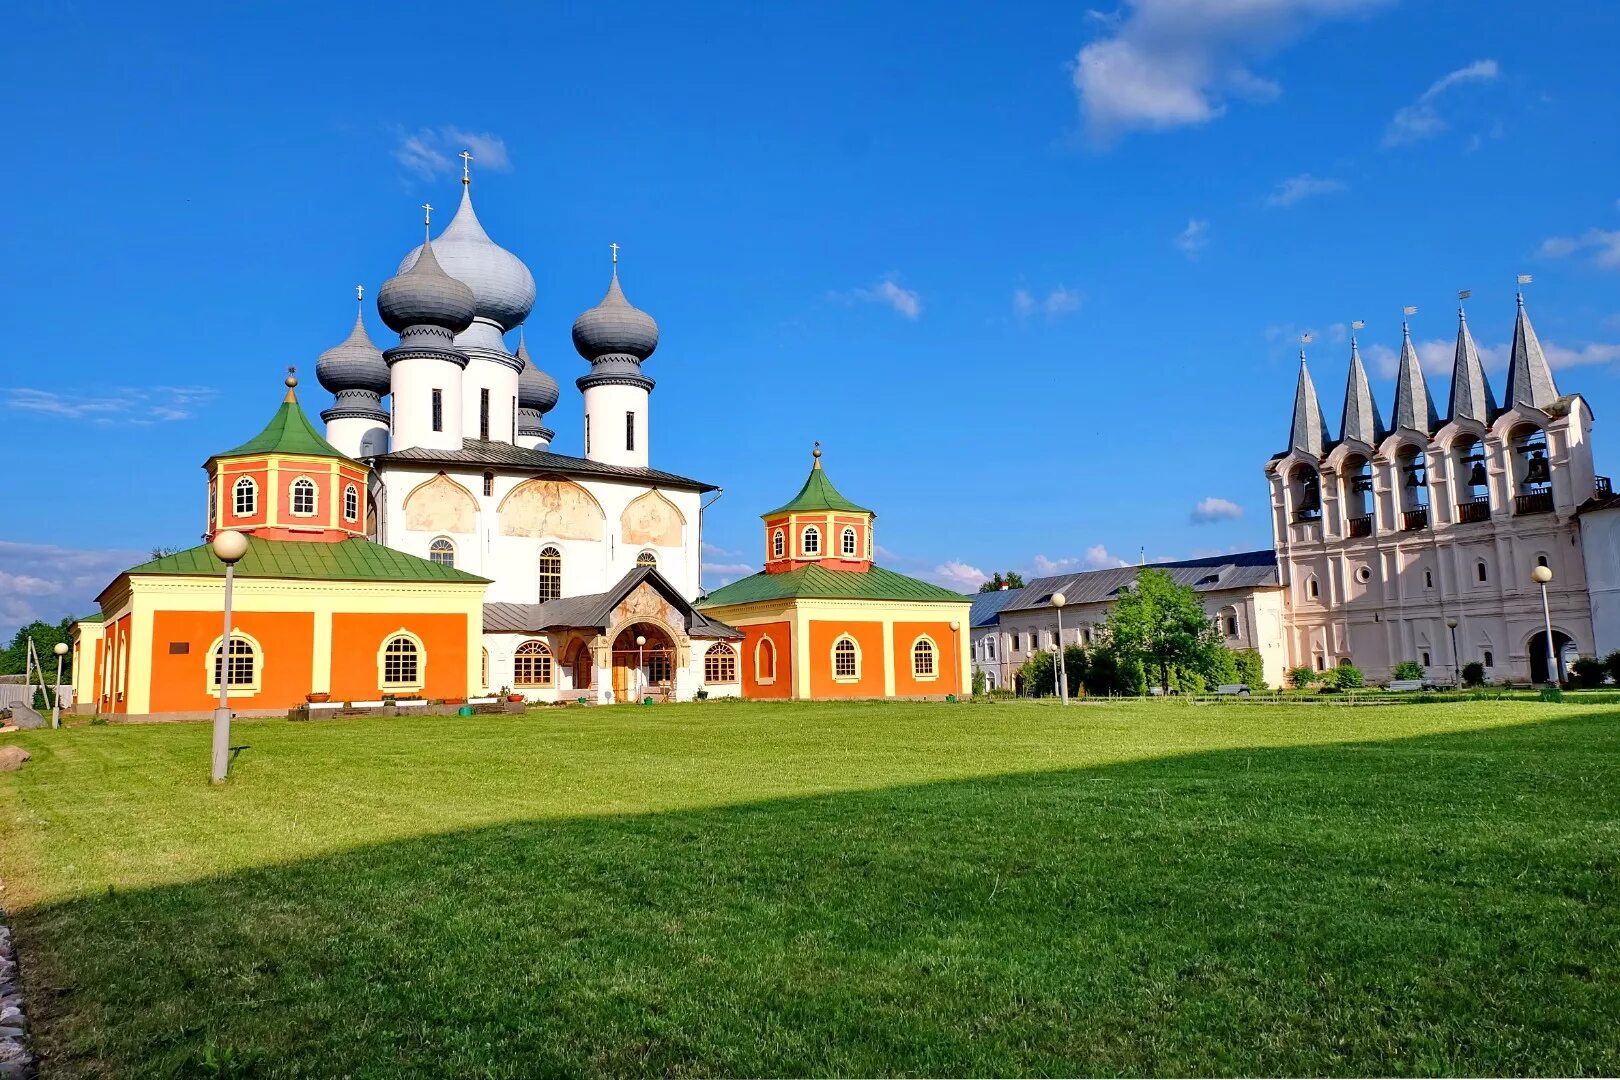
(344, 560)
(818, 494)
(816, 582)
(288, 432)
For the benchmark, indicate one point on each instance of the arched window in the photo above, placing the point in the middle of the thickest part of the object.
(1541, 560)
(1412, 474)
(484, 669)
(245, 497)
(720, 663)
(442, 551)
(846, 658)
(402, 664)
(922, 659)
(765, 661)
(1490, 661)
(550, 574)
(778, 544)
(351, 503)
(531, 665)
(846, 542)
(242, 669)
(1229, 621)
(1480, 571)
(1312, 590)
(647, 558)
(303, 497)
(1473, 482)
(811, 544)
(1307, 493)
(1428, 579)
(1358, 486)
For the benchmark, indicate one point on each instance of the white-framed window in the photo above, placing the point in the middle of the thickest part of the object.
(532, 665)
(401, 662)
(810, 543)
(303, 497)
(765, 662)
(647, 558)
(245, 497)
(351, 503)
(244, 667)
(778, 544)
(924, 659)
(846, 660)
(442, 551)
(720, 664)
(550, 574)
(847, 542)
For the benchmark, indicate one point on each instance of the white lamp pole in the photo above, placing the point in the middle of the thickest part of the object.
(229, 547)
(1541, 575)
(641, 667)
(1456, 661)
(956, 660)
(1058, 600)
(60, 649)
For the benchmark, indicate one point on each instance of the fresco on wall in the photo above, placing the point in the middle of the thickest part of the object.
(558, 509)
(652, 519)
(441, 505)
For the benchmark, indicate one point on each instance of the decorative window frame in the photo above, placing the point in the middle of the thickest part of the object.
(253, 687)
(849, 542)
(832, 655)
(779, 543)
(804, 540)
(421, 663)
(759, 672)
(549, 683)
(351, 496)
(647, 558)
(314, 497)
(1313, 588)
(721, 651)
(1482, 572)
(435, 542)
(253, 497)
(933, 648)
(539, 576)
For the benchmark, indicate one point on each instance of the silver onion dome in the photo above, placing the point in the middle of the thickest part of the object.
(356, 364)
(502, 287)
(615, 327)
(424, 295)
(536, 389)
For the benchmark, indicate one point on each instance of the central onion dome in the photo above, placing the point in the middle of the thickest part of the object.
(615, 327)
(502, 287)
(536, 389)
(424, 295)
(356, 364)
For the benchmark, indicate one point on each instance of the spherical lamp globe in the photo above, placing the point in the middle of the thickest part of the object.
(60, 648)
(1541, 575)
(230, 545)
(640, 640)
(1058, 599)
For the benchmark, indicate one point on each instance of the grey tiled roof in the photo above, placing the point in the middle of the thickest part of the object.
(1471, 397)
(479, 452)
(595, 610)
(1361, 419)
(1309, 433)
(1241, 570)
(987, 606)
(1530, 380)
(1414, 408)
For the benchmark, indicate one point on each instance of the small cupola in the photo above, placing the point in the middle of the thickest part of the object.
(818, 527)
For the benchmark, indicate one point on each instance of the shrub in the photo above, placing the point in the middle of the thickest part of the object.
(1552, 693)
(1473, 673)
(1587, 672)
(980, 683)
(1408, 669)
(1251, 670)
(1612, 663)
(1347, 677)
(1301, 677)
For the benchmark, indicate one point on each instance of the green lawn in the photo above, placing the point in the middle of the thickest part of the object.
(727, 888)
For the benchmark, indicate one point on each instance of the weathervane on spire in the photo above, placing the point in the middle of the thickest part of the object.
(1464, 295)
(1304, 340)
(1358, 324)
(1407, 313)
(466, 166)
(615, 249)
(816, 455)
(1524, 279)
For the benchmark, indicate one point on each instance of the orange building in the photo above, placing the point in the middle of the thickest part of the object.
(823, 621)
(317, 607)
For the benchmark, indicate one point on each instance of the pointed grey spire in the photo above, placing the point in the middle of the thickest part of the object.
(1361, 420)
(1530, 380)
(1471, 397)
(1309, 433)
(1413, 407)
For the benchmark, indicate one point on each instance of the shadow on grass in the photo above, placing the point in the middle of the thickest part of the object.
(1442, 904)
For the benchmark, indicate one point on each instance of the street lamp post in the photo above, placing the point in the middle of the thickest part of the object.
(60, 649)
(1456, 661)
(1541, 575)
(229, 547)
(641, 667)
(1058, 600)
(956, 661)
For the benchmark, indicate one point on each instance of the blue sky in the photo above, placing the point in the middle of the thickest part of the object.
(1034, 275)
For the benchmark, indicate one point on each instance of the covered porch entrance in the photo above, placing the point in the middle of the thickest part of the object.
(643, 660)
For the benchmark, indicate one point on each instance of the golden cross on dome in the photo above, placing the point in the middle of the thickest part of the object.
(466, 163)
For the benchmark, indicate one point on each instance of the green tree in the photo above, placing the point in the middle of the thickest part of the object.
(1473, 673)
(1108, 675)
(1407, 669)
(1011, 580)
(980, 683)
(1347, 677)
(14, 657)
(1039, 674)
(1251, 670)
(1162, 626)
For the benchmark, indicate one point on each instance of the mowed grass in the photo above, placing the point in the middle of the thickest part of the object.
(865, 889)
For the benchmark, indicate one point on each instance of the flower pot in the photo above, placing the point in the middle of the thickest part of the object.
(514, 698)
(317, 698)
(455, 701)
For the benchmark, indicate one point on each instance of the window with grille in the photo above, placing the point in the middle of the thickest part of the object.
(245, 497)
(846, 659)
(848, 541)
(629, 431)
(550, 574)
(401, 661)
(240, 670)
(812, 540)
(720, 664)
(922, 659)
(442, 551)
(778, 544)
(303, 496)
(351, 503)
(438, 410)
(647, 558)
(489, 483)
(531, 665)
(483, 413)
(660, 668)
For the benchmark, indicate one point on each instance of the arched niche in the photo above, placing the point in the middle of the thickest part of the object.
(652, 519)
(441, 505)
(552, 508)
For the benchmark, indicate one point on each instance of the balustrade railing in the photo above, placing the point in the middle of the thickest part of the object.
(1533, 502)
(1413, 520)
(1361, 526)
(1475, 509)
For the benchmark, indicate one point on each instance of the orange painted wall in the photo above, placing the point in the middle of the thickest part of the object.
(320, 477)
(781, 634)
(356, 638)
(229, 473)
(869, 636)
(180, 680)
(117, 698)
(947, 660)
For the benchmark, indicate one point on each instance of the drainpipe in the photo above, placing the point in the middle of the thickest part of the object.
(705, 506)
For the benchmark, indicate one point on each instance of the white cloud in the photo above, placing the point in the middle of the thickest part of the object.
(1194, 238)
(1098, 557)
(1095, 557)
(1164, 64)
(1059, 301)
(1304, 186)
(732, 569)
(1437, 355)
(429, 152)
(716, 549)
(906, 302)
(113, 405)
(1421, 119)
(43, 581)
(1602, 245)
(1215, 509)
(959, 575)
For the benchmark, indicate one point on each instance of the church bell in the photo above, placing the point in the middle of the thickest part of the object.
(1476, 475)
(1536, 469)
(1414, 476)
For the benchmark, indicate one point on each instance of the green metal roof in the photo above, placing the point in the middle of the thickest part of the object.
(816, 582)
(288, 432)
(94, 616)
(344, 560)
(818, 494)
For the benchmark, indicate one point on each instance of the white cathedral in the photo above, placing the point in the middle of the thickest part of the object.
(593, 560)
